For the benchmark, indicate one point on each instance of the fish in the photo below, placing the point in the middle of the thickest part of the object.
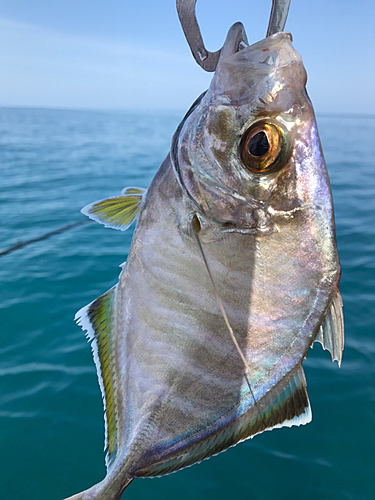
(233, 273)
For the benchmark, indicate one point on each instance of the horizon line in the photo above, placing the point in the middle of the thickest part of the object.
(330, 114)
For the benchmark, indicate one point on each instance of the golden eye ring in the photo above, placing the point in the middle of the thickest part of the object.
(264, 147)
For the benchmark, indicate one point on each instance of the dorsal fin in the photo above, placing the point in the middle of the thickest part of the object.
(331, 332)
(98, 320)
(117, 212)
(291, 407)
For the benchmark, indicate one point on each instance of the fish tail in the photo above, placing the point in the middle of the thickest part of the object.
(105, 490)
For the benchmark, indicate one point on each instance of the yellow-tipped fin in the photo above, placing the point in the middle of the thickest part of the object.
(98, 320)
(117, 212)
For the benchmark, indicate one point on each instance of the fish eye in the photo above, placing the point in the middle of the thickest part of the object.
(264, 147)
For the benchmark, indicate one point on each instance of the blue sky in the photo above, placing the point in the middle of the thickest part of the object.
(120, 54)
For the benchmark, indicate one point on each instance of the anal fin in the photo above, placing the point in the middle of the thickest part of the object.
(331, 332)
(117, 212)
(290, 408)
(98, 320)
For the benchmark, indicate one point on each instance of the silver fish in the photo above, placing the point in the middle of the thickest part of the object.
(232, 274)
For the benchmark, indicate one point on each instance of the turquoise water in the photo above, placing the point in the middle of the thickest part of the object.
(51, 418)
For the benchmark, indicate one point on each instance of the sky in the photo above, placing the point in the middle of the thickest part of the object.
(126, 54)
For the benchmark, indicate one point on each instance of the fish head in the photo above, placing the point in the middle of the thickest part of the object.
(248, 152)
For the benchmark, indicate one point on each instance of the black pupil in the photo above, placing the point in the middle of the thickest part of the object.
(258, 144)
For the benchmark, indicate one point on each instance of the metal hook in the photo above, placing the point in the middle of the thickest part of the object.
(188, 19)
(208, 60)
(279, 13)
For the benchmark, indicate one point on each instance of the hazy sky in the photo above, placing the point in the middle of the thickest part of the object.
(116, 54)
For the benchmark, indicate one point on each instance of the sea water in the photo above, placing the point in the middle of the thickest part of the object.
(52, 163)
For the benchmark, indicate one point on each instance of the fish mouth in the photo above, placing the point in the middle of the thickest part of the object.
(241, 65)
(267, 44)
(236, 44)
(275, 51)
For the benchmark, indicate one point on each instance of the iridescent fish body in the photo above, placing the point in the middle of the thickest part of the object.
(239, 215)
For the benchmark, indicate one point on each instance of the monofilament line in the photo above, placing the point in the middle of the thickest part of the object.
(22, 244)
(196, 229)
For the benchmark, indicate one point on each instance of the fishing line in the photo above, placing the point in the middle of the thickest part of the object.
(196, 228)
(22, 244)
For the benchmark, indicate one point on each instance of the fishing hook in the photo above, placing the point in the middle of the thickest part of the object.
(206, 59)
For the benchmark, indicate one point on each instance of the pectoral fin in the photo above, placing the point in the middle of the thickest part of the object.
(117, 212)
(331, 332)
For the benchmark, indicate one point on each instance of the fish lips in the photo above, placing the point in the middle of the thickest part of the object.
(242, 68)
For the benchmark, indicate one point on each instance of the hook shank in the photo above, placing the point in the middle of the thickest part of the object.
(279, 13)
(186, 13)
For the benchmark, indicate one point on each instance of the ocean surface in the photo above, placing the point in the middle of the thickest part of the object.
(53, 162)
